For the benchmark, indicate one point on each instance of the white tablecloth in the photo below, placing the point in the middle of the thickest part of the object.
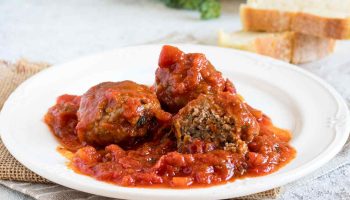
(58, 31)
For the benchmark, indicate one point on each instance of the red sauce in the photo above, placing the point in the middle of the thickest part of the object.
(62, 120)
(119, 132)
(182, 77)
(157, 162)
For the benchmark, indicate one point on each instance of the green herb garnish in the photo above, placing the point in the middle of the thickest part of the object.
(209, 9)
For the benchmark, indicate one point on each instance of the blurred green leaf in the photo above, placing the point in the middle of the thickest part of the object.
(209, 9)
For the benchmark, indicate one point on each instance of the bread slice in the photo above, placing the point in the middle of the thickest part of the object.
(291, 47)
(326, 18)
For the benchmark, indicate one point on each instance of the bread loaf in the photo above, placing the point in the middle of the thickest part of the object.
(326, 18)
(287, 46)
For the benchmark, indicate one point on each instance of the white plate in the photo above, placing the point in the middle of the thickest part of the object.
(293, 98)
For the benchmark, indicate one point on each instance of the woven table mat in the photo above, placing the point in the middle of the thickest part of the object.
(19, 178)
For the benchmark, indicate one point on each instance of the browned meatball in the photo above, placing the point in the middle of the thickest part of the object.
(222, 121)
(181, 77)
(118, 113)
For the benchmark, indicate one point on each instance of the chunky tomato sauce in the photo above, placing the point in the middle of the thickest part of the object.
(157, 162)
(191, 129)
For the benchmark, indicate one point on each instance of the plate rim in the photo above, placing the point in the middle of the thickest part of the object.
(333, 148)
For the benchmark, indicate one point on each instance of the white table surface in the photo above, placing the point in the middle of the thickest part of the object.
(61, 30)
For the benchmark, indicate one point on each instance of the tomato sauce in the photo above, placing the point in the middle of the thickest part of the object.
(156, 162)
(181, 78)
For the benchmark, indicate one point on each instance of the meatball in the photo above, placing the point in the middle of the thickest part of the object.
(223, 121)
(182, 77)
(118, 113)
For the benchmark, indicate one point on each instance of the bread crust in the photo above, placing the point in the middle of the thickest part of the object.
(291, 47)
(269, 20)
(307, 48)
(264, 20)
(279, 47)
(309, 24)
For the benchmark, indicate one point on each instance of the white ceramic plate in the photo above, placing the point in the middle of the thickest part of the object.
(295, 99)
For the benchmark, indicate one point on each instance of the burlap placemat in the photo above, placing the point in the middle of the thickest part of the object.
(11, 75)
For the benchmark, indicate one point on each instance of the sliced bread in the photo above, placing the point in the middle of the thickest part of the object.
(326, 18)
(287, 46)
